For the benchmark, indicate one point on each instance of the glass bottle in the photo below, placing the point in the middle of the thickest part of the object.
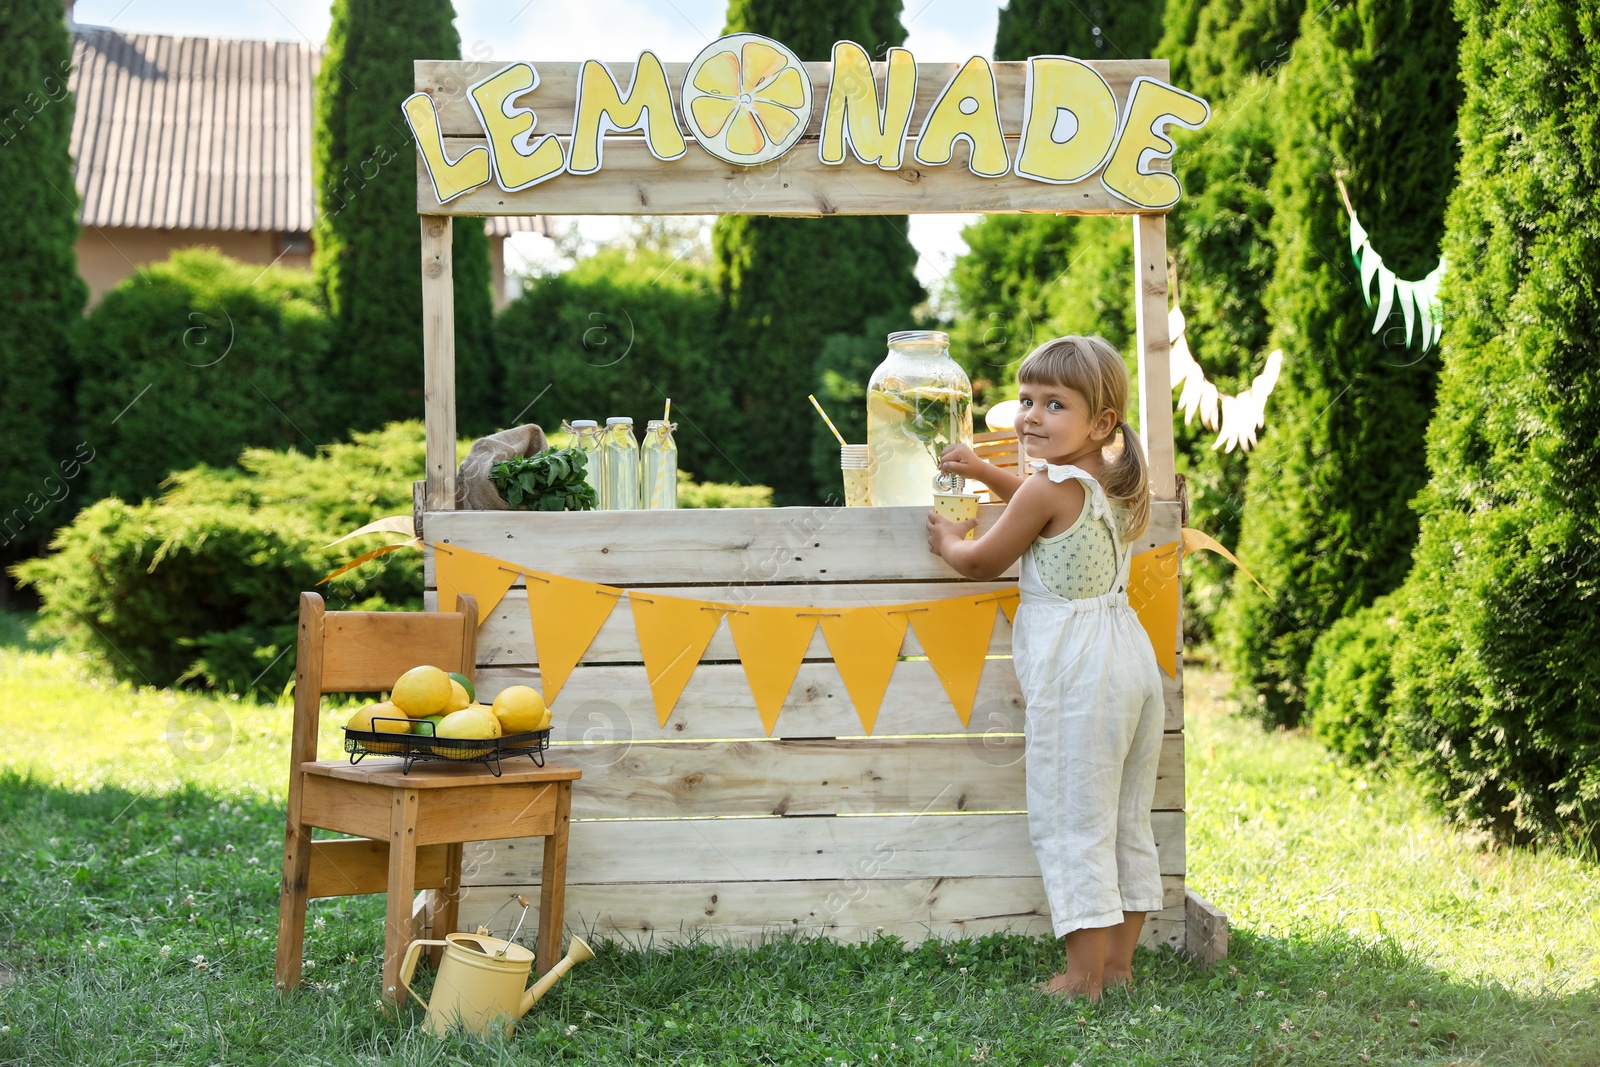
(919, 402)
(660, 456)
(619, 466)
(586, 439)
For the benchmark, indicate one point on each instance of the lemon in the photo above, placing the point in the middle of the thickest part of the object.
(746, 99)
(520, 708)
(467, 724)
(494, 720)
(459, 697)
(421, 691)
(382, 718)
(466, 683)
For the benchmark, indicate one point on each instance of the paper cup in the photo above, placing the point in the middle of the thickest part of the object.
(853, 465)
(957, 507)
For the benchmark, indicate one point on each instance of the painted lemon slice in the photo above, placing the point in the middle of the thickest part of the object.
(747, 99)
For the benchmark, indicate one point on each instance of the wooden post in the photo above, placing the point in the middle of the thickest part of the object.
(439, 363)
(1155, 369)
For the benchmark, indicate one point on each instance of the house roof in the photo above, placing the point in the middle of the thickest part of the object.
(198, 133)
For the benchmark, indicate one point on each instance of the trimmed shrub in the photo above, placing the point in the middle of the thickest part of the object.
(202, 586)
(40, 450)
(692, 494)
(193, 359)
(789, 284)
(368, 240)
(1219, 235)
(1328, 525)
(618, 334)
(1497, 685)
(1348, 682)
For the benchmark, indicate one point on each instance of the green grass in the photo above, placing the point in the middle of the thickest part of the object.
(140, 896)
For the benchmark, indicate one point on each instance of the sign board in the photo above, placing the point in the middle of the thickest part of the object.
(747, 128)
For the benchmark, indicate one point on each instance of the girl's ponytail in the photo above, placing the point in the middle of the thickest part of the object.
(1127, 483)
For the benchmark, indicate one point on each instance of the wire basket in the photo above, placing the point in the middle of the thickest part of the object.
(426, 748)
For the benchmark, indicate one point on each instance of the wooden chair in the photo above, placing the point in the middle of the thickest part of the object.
(1000, 448)
(410, 827)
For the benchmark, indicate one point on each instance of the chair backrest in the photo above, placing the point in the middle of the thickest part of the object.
(998, 447)
(366, 651)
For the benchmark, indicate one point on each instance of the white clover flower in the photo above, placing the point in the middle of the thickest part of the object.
(166, 950)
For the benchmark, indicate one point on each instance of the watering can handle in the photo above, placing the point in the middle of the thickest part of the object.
(408, 966)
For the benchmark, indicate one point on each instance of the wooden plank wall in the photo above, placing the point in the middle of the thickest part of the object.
(705, 826)
(633, 182)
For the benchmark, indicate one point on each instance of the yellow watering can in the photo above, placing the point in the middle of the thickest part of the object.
(481, 979)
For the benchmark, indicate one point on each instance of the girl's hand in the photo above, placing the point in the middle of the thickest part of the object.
(941, 531)
(960, 459)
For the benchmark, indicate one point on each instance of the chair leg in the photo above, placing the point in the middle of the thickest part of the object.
(397, 925)
(292, 902)
(446, 901)
(553, 883)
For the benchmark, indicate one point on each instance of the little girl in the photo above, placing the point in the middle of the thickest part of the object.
(1088, 673)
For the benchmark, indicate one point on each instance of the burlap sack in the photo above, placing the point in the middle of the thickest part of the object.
(474, 490)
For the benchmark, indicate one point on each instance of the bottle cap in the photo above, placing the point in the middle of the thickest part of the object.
(623, 420)
(583, 424)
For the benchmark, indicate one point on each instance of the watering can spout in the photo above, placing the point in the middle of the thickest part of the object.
(578, 950)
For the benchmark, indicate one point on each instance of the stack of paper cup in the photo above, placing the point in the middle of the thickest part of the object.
(853, 464)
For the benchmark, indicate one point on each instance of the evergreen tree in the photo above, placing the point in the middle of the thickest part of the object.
(1224, 50)
(1327, 523)
(789, 284)
(1224, 257)
(1098, 29)
(1215, 46)
(1497, 684)
(1027, 278)
(368, 236)
(40, 457)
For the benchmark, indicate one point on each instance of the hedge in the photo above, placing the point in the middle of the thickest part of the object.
(194, 358)
(201, 586)
(1497, 683)
(1328, 525)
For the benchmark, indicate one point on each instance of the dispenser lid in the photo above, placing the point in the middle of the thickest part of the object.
(916, 337)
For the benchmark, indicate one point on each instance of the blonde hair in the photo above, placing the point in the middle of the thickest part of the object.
(1090, 367)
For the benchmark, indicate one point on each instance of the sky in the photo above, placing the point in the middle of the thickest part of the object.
(676, 30)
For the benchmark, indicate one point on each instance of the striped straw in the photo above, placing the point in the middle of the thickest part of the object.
(824, 414)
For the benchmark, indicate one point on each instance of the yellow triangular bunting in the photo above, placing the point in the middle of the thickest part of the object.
(473, 573)
(1153, 593)
(865, 643)
(1196, 541)
(1008, 604)
(566, 614)
(771, 644)
(955, 637)
(673, 633)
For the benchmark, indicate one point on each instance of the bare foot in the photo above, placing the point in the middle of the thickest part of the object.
(1117, 978)
(1070, 988)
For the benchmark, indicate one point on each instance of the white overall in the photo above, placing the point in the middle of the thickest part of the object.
(1094, 723)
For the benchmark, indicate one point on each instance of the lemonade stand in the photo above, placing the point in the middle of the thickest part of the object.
(845, 726)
